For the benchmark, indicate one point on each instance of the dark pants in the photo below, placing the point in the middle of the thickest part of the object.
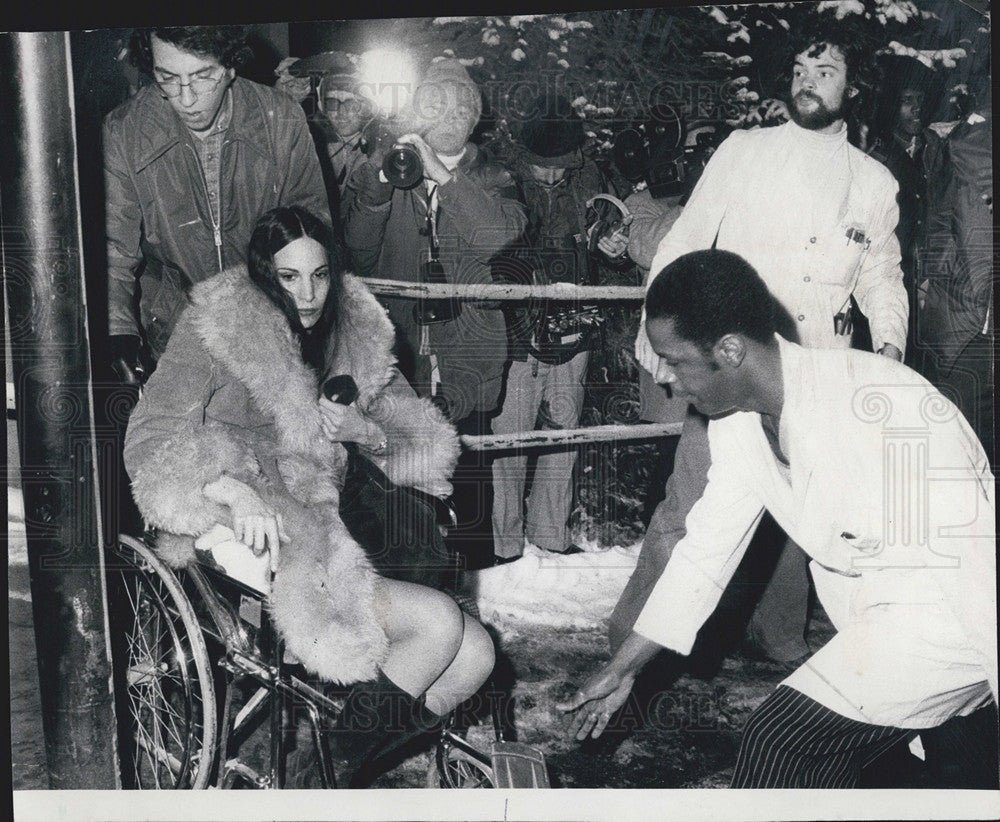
(791, 741)
(472, 539)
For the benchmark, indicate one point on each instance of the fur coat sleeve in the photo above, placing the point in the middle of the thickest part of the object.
(423, 445)
(173, 449)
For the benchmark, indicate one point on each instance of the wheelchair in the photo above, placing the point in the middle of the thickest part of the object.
(201, 675)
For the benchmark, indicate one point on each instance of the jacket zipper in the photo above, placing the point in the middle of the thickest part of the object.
(216, 222)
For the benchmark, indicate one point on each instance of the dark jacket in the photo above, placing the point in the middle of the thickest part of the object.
(479, 215)
(554, 246)
(158, 221)
(909, 172)
(959, 257)
(231, 394)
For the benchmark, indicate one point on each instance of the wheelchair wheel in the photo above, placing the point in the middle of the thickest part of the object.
(167, 711)
(459, 769)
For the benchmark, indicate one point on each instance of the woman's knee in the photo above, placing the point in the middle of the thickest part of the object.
(481, 651)
(438, 618)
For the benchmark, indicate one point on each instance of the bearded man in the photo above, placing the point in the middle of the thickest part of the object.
(815, 217)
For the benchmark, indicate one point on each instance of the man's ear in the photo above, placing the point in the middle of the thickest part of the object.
(852, 91)
(730, 350)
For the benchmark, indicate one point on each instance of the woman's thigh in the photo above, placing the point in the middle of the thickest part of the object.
(406, 610)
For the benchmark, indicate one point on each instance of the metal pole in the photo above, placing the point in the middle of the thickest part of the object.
(43, 276)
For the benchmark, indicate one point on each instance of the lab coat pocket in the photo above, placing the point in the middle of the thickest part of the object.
(866, 545)
(841, 252)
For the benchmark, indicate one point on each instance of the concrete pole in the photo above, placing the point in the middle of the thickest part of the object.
(43, 277)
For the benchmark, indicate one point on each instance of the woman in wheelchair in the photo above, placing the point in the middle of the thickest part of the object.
(232, 429)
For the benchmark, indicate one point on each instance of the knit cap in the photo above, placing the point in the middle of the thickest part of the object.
(553, 134)
(441, 73)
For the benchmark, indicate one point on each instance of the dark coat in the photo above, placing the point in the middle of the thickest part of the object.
(554, 247)
(232, 395)
(158, 220)
(959, 257)
(479, 215)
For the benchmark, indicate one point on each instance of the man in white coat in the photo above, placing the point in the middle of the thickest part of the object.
(879, 479)
(816, 217)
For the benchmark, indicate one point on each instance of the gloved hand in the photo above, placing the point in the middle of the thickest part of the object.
(372, 190)
(125, 360)
(297, 88)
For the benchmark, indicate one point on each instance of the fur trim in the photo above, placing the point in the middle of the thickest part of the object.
(423, 446)
(322, 599)
(241, 328)
(363, 346)
(167, 485)
(177, 550)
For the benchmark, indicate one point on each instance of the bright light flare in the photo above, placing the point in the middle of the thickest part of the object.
(388, 78)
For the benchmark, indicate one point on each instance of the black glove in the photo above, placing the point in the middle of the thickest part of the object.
(125, 360)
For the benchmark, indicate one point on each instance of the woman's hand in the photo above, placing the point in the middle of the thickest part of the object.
(599, 697)
(255, 523)
(343, 423)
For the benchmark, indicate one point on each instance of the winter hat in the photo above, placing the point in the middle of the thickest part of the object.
(553, 134)
(444, 72)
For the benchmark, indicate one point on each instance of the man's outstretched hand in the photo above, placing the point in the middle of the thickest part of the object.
(596, 701)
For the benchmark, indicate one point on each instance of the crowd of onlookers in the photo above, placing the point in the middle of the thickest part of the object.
(189, 167)
(875, 235)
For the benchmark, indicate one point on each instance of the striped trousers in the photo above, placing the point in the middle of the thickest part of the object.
(792, 741)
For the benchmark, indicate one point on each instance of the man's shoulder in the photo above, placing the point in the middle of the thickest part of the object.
(748, 139)
(136, 110)
(487, 169)
(871, 165)
(271, 98)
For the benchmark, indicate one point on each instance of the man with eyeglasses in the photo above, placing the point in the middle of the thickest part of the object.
(190, 163)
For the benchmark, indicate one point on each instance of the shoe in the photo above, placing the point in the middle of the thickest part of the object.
(504, 560)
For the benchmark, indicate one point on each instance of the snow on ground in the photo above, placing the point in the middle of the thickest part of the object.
(561, 591)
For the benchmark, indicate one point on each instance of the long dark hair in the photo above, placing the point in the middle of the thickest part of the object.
(274, 230)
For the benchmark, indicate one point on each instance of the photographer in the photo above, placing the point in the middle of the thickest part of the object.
(445, 228)
(549, 345)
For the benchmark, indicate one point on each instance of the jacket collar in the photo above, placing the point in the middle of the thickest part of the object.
(243, 330)
(163, 129)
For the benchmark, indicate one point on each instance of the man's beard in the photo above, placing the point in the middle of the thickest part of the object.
(818, 118)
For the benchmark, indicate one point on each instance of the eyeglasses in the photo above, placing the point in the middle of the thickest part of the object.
(172, 86)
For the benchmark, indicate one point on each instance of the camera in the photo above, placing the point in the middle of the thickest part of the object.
(665, 152)
(401, 164)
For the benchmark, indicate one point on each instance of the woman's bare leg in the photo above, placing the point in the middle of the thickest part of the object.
(433, 646)
(468, 671)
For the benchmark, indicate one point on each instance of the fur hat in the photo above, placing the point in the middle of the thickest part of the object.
(450, 71)
(553, 134)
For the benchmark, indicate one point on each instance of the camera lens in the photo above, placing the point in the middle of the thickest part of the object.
(402, 166)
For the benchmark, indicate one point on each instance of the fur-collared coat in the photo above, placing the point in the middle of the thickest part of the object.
(231, 395)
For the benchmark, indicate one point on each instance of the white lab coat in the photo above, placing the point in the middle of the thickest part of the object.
(784, 198)
(892, 497)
